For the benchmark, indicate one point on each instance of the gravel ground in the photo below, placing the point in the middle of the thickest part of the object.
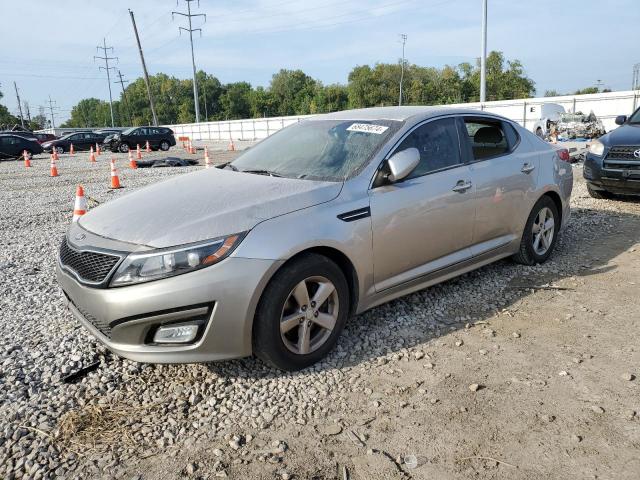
(482, 376)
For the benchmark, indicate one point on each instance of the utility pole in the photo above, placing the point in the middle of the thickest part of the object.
(144, 69)
(53, 120)
(124, 95)
(483, 58)
(19, 104)
(403, 37)
(193, 61)
(26, 109)
(106, 59)
(599, 83)
(635, 83)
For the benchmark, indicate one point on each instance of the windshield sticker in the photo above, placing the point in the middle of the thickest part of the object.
(368, 128)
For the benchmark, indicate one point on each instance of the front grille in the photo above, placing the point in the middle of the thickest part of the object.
(623, 153)
(103, 327)
(89, 266)
(622, 158)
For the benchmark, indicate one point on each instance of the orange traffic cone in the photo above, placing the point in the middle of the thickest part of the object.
(148, 147)
(80, 207)
(98, 152)
(54, 168)
(231, 147)
(92, 156)
(207, 160)
(138, 152)
(189, 147)
(27, 161)
(55, 153)
(115, 181)
(71, 150)
(132, 162)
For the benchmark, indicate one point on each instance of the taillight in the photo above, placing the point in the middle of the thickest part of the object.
(563, 154)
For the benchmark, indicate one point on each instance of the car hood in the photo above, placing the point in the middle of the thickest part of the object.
(623, 135)
(203, 205)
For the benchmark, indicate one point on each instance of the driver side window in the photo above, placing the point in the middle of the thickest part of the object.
(438, 144)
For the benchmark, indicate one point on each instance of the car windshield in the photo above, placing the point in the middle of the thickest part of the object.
(128, 130)
(635, 117)
(330, 150)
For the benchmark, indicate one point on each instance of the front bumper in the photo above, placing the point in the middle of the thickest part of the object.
(623, 181)
(222, 297)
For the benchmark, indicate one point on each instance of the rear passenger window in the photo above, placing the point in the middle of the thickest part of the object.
(487, 138)
(437, 143)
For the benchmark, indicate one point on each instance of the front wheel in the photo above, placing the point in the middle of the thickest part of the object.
(301, 313)
(59, 150)
(123, 148)
(164, 145)
(540, 233)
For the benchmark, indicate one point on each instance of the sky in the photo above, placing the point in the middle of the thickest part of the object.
(48, 46)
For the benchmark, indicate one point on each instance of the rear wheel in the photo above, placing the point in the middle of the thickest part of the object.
(29, 154)
(540, 233)
(164, 145)
(301, 313)
(123, 148)
(600, 194)
(59, 149)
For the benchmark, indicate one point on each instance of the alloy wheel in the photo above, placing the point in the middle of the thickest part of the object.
(544, 227)
(309, 315)
(124, 148)
(164, 146)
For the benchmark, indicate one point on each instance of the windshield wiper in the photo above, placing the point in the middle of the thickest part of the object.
(262, 172)
(228, 164)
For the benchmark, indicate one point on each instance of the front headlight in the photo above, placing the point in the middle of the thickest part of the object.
(596, 147)
(147, 266)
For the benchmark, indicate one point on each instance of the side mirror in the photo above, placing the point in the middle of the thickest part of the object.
(620, 119)
(402, 164)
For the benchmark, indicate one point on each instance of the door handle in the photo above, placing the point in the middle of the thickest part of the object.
(462, 186)
(528, 168)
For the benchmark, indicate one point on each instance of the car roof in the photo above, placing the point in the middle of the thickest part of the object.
(415, 113)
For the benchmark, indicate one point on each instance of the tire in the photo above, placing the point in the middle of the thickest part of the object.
(600, 194)
(59, 150)
(164, 145)
(278, 342)
(123, 148)
(534, 250)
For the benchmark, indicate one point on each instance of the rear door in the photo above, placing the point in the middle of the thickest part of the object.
(425, 222)
(505, 174)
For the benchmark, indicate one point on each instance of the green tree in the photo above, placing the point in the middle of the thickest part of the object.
(292, 92)
(236, 101)
(6, 118)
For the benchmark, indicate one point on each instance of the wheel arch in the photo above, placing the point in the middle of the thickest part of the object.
(342, 261)
(555, 196)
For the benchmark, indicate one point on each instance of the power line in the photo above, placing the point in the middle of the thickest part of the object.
(51, 107)
(122, 81)
(189, 15)
(106, 59)
(403, 37)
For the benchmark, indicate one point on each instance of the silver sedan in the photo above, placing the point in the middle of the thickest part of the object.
(272, 253)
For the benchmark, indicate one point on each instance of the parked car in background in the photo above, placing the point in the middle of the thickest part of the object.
(158, 137)
(612, 163)
(273, 252)
(80, 141)
(544, 117)
(108, 131)
(13, 146)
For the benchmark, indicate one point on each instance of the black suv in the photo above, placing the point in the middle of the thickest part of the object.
(158, 137)
(612, 164)
(13, 145)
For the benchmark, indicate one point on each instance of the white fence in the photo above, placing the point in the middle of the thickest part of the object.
(606, 107)
(526, 112)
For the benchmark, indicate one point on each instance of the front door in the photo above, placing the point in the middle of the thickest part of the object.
(425, 222)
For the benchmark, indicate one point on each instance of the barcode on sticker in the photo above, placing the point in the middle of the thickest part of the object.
(367, 128)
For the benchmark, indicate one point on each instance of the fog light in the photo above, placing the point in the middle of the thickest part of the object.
(176, 334)
(588, 173)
